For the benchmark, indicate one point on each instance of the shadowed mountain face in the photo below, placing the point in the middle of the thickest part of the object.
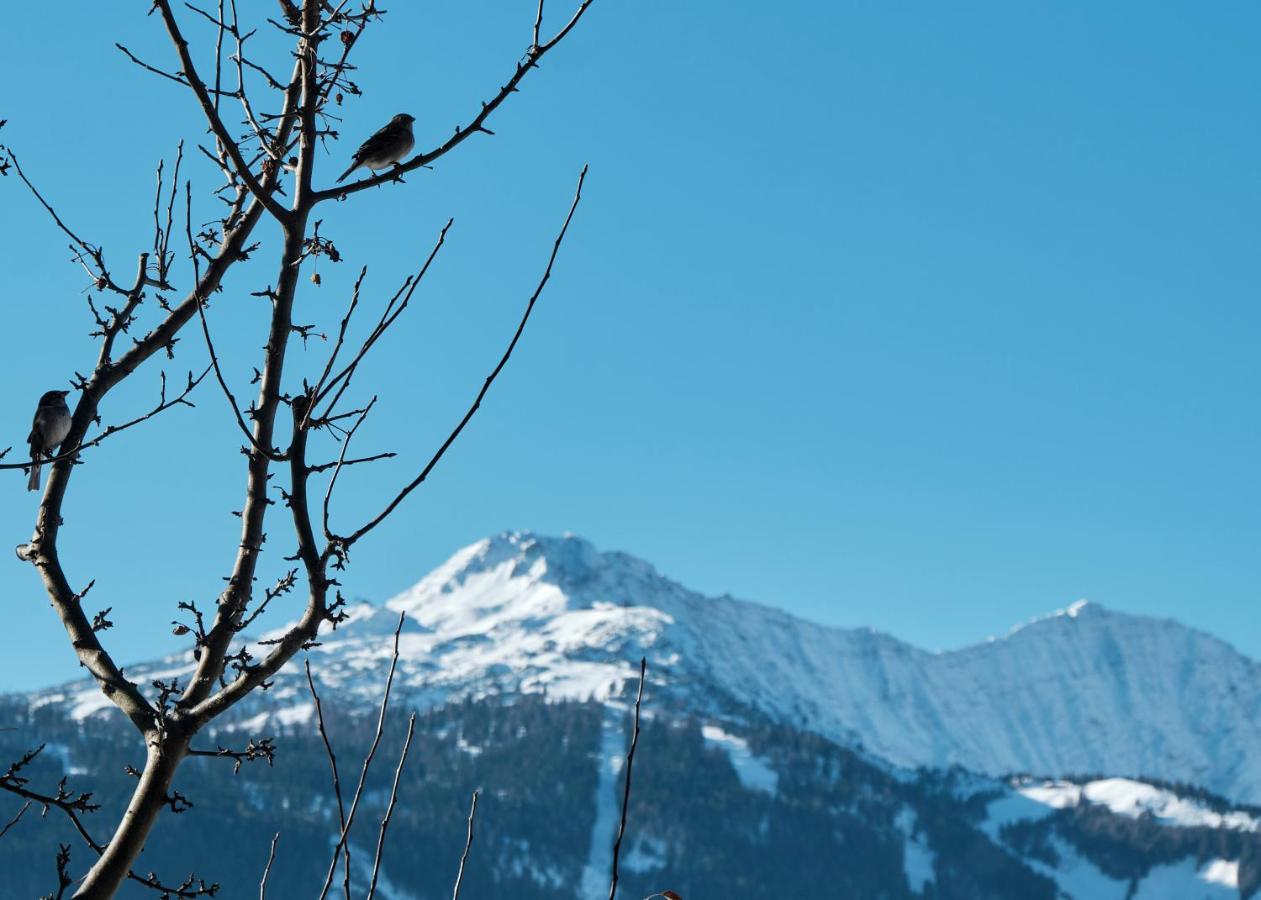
(717, 810)
(1083, 690)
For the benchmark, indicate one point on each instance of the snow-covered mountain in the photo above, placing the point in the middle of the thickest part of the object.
(1085, 690)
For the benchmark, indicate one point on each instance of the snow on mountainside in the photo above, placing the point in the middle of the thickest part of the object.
(1086, 690)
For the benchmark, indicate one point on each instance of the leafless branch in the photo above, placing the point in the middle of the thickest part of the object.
(264, 748)
(332, 757)
(271, 858)
(101, 276)
(210, 345)
(630, 761)
(389, 810)
(17, 818)
(538, 24)
(475, 125)
(346, 542)
(63, 871)
(393, 309)
(343, 840)
(198, 87)
(341, 462)
(163, 404)
(468, 845)
(254, 183)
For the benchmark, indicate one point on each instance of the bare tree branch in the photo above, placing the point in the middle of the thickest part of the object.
(17, 818)
(343, 840)
(389, 810)
(163, 404)
(393, 309)
(194, 82)
(254, 183)
(271, 858)
(332, 757)
(478, 122)
(630, 761)
(346, 542)
(468, 845)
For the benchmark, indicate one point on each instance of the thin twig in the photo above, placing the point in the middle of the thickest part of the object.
(630, 761)
(468, 845)
(538, 23)
(111, 430)
(388, 317)
(475, 125)
(271, 857)
(389, 810)
(205, 330)
(328, 749)
(344, 840)
(341, 463)
(490, 379)
(17, 818)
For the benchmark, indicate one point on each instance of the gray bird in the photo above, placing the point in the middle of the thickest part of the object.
(51, 425)
(385, 148)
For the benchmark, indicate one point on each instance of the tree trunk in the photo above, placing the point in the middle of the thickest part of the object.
(104, 879)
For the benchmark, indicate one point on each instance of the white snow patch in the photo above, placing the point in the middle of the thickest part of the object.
(918, 860)
(1076, 607)
(88, 703)
(604, 830)
(1183, 881)
(754, 772)
(298, 714)
(648, 855)
(1133, 799)
(62, 754)
(253, 723)
(1080, 879)
(1223, 872)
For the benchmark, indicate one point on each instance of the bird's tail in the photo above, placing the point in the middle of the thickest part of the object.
(32, 483)
(354, 165)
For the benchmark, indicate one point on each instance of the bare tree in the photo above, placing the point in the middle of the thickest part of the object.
(265, 150)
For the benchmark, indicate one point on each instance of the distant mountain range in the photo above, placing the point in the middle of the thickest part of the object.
(783, 736)
(1082, 690)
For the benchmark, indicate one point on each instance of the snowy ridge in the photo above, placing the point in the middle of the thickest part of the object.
(1079, 877)
(1086, 690)
(1133, 799)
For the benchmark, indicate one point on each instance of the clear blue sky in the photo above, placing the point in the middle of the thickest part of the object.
(928, 317)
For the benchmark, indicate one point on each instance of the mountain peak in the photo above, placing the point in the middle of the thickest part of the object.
(1081, 690)
(1077, 611)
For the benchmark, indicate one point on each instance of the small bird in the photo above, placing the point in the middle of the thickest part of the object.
(386, 147)
(51, 425)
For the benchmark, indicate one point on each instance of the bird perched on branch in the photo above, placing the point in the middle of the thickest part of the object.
(51, 425)
(385, 148)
